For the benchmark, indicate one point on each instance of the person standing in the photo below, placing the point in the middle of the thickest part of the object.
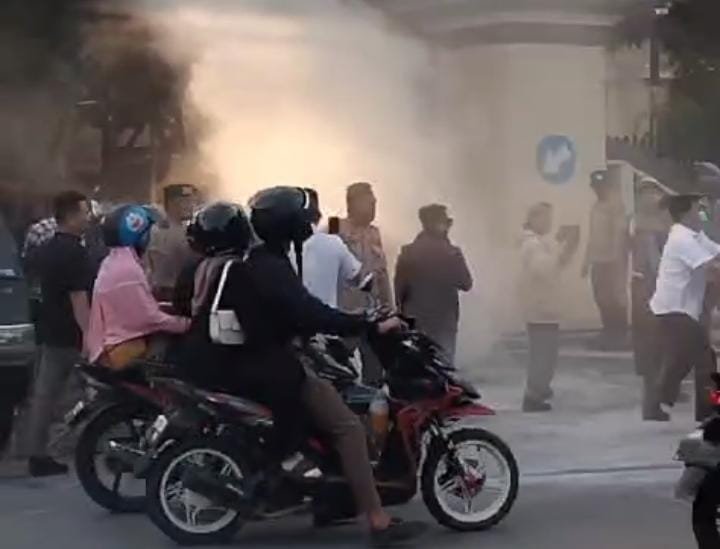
(429, 275)
(364, 240)
(606, 261)
(689, 261)
(65, 279)
(648, 236)
(327, 261)
(542, 260)
(169, 252)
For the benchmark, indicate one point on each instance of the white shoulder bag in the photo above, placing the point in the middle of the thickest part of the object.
(225, 328)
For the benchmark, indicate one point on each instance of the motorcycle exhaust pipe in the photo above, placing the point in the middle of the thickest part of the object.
(220, 491)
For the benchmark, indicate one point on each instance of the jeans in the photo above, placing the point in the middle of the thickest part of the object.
(54, 374)
(544, 347)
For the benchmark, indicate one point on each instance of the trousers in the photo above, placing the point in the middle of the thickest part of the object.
(544, 344)
(54, 375)
(686, 347)
(332, 417)
(609, 292)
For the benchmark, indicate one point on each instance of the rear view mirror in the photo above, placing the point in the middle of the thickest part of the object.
(367, 283)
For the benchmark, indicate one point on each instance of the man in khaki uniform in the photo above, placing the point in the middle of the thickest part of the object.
(169, 252)
(363, 239)
(606, 261)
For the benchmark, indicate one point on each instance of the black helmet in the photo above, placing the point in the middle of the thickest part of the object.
(220, 227)
(284, 215)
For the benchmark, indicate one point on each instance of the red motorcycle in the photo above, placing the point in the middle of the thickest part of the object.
(197, 487)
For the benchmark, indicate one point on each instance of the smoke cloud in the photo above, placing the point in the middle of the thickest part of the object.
(322, 94)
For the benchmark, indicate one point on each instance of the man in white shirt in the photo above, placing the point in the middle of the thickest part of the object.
(327, 261)
(689, 261)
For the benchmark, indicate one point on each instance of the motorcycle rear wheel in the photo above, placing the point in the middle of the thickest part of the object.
(166, 492)
(88, 456)
(439, 484)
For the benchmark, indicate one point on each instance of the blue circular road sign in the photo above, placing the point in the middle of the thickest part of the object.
(556, 158)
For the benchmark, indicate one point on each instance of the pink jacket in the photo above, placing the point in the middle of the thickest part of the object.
(123, 307)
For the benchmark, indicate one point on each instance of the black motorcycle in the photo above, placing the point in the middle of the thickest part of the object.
(700, 481)
(198, 487)
(114, 414)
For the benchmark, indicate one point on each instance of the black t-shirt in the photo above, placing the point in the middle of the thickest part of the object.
(64, 269)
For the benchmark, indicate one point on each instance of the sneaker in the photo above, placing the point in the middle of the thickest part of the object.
(45, 466)
(533, 406)
(656, 415)
(399, 532)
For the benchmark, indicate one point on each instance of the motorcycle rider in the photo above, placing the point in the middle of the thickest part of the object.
(124, 312)
(273, 308)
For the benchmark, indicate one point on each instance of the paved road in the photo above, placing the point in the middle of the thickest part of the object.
(595, 477)
(598, 511)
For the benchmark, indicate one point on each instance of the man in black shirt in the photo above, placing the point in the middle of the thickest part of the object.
(65, 279)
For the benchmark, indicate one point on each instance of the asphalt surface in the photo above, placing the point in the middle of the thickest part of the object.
(594, 477)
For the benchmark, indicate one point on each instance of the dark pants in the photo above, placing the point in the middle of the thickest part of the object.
(55, 378)
(609, 290)
(705, 513)
(647, 345)
(686, 346)
(275, 378)
(544, 345)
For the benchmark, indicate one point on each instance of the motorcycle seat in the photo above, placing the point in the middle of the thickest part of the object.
(239, 404)
(137, 371)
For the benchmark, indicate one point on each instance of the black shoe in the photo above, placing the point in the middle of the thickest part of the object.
(656, 415)
(398, 533)
(46, 467)
(535, 406)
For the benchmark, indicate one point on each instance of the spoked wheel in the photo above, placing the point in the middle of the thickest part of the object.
(186, 516)
(473, 487)
(109, 482)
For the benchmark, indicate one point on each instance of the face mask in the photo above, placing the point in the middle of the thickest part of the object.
(704, 216)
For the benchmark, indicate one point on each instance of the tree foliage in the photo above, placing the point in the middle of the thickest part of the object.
(689, 32)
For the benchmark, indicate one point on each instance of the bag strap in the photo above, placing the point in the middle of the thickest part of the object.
(221, 286)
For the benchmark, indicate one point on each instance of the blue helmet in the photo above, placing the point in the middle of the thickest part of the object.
(128, 226)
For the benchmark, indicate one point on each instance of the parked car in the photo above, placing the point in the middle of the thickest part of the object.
(17, 333)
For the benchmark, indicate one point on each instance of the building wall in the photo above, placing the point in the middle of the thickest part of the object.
(503, 99)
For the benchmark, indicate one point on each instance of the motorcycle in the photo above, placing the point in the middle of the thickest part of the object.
(700, 481)
(115, 412)
(198, 488)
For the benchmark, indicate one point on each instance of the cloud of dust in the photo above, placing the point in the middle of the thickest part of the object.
(323, 94)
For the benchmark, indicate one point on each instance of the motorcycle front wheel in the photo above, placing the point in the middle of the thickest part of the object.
(187, 517)
(108, 482)
(472, 487)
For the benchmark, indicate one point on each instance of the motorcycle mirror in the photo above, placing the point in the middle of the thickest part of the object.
(367, 283)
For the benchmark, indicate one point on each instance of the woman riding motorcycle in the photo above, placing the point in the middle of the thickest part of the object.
(273, 308)
(124, 312)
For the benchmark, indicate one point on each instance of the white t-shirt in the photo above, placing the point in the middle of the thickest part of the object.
(326, 261)
(681, 281)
